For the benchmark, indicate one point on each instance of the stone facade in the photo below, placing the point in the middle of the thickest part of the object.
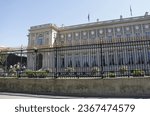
(112, 31)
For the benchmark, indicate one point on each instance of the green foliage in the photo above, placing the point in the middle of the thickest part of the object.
(48, 70)
(2, 59)
(41, 74)
(111, 74)
(123, 69)
(138, 72)
(36, 74)
(30, 73)
(69, 69)
(95, 70)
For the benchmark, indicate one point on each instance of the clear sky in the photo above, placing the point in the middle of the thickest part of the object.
(16, 16)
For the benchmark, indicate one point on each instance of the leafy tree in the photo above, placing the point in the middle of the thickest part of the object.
(3, 58)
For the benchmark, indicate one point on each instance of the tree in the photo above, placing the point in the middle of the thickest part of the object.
(3, 58)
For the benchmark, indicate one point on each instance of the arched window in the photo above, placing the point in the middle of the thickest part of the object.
(39, 60)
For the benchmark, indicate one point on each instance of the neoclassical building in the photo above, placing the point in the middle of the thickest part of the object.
(108, 44)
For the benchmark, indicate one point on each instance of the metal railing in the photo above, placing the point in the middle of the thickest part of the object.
(117, 59)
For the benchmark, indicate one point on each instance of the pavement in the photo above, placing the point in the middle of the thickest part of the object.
(4, 95)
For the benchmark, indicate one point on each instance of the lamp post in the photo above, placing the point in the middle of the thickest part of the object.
(35, 50)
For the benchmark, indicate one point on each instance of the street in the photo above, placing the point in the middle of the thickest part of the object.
(4, 95)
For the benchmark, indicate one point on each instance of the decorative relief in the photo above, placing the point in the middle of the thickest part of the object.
(100, 31)
(109, 31)
(69, 36)
(118, 29)
(146, 26)
(118, 32)
(127, 30)
(76, 35)
(84, 35)
(136, 27)
(62, 36)
(92, 34)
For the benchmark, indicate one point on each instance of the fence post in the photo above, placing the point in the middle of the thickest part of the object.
(55, 74)
(101, 59)
(21, 57)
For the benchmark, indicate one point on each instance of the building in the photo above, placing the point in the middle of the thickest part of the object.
(104, 44)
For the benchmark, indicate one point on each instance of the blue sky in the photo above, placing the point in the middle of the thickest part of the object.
(16, 16)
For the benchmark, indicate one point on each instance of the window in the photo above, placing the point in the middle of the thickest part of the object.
(148, 57)
(69, 62)
(103, 61)
(140, 58)
(86, 64)
(111, 59)
(137, 35)
(85, 61)
(120, 59)
(62, 62)
(39, 40)
(94, 61)
(130, 58)
(109, 37)
(147, 34)
(77, 61)
(128, 35)
(118, 36)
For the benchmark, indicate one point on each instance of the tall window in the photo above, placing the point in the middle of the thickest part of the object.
(120, 59)
(130, 58)
(148, 57)
(39, 40)
(85, 61)
(147, 34)
(111, 59)
(138, 35)
(140, 58)
(109, 37)
(118, 36)
(103, 61)
(128, 35)
(77, 61)
(62, 62)
(69, 62)
(94, 61)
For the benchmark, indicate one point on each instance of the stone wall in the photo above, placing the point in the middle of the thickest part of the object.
(120, 87)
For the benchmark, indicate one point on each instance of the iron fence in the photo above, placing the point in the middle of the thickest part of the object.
(114, 59)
